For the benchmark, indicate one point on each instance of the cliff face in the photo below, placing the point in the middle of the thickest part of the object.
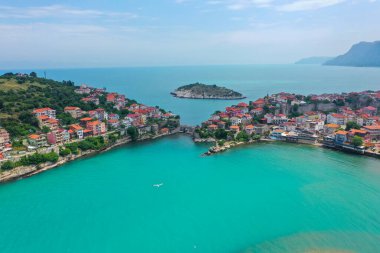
(363, 54)
(202, 91)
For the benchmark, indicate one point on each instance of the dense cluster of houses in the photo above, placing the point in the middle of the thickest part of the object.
(146, 119)
(274, 116)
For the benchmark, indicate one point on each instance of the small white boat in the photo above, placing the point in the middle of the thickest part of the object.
(158, 185)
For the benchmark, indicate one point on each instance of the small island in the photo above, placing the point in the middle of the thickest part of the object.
(204, 91)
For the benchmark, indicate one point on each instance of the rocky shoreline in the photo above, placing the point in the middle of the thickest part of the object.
(28, 171)
(229, 145)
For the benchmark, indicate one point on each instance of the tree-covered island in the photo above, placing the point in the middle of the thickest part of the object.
(204, 91)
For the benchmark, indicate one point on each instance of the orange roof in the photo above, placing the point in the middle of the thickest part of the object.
(336, 115)
(373, 127)
(42, 109)
(52, 121)
(43, 117)
(76, 127)
(242, 104)
(87, 131)
(333, 125)
(113, 121)
(70, 108)
(34, 136)
(249, 127)
(93, 123)
(357, 131)
(86, 119)
(341, 132)
(234, 127)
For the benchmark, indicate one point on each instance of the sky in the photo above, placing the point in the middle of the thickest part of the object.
(118, 33)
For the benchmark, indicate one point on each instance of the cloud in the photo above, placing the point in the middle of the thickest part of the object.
(304, 5)
(59, 11)
(243, 4)
(282, 6)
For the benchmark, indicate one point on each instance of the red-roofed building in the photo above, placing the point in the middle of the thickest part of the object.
(74, 111)
(242, 104)
(370, 110)
(83, 121)
(361, 133)
(45, 112)
(259, 103)
(235, 129)
(58, 137)
(37, 140)
(94, 100)
(249, 129)
(257, 111)
(113, 123)
(164, 131)
(336, 118)
(341, 137)
(99, 114)
(111, 97)
(212, 127)
(373, 131)
(97, 127)
(76, 131)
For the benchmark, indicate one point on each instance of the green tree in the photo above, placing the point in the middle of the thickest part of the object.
(28, 118)
(66, 119)
(256, 137)
(33, 74)
(352, 125)
(51, 157)
(357, 141)
(65, 152)
(112, 138)
(221, 142)
(242, 136)
(221, 134)
(85, 145)
(133, 133)
(45, 129)
(8, 165)
(73, 147)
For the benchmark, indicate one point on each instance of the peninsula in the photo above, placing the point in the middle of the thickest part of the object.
(45, 123)
(203, 91)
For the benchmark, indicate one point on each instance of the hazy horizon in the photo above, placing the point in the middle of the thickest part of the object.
(94, 34)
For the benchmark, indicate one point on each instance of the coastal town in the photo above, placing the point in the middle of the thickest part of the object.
(113, 120)
(347, 121)
(88, 120)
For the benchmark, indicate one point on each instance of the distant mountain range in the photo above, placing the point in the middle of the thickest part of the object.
(363, 54)
(314, 60)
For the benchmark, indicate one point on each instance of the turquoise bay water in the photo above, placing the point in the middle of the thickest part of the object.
(259, 198)
(266, 198)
